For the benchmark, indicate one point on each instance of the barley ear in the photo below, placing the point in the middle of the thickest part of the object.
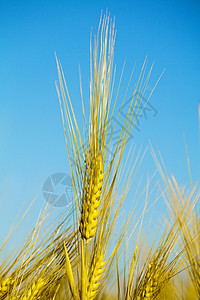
(70, 276)
(152, 288)
(98, 268)
(92, 187)
(5, 286)
(34, 290)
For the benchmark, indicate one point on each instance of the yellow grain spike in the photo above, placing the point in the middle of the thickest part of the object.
(152, 285)
(34, 290)
(95, 274)
(5, 286)
(91, 201)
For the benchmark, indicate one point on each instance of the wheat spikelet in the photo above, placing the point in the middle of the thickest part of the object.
(93, 182)
(34, 290)
(96, 271)
(5, 286)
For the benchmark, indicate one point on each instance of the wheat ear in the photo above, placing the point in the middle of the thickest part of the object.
(152, 286)
(93, 182)
(98, 267)
(5, 286)
(34, 290)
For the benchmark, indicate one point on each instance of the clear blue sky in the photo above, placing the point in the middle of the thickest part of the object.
(32, 144)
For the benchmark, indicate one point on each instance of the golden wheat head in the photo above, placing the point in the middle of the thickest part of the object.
(93, 182)
(5, 286)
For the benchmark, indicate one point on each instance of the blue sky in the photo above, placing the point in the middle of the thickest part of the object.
(31, 134)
